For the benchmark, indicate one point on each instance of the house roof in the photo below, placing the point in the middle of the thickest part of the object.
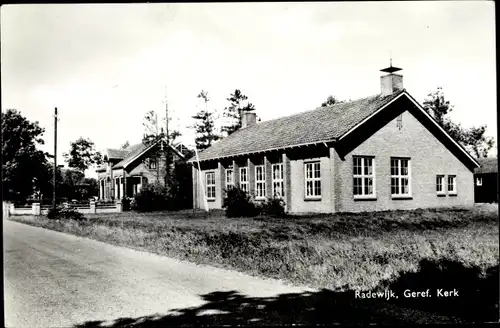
(488, 165)
(122, 154)
(116, 153)
(133, 151)
(321, 124)
(130, 154)
(324, 124)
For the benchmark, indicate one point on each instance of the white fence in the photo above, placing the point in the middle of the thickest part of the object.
(10, 209)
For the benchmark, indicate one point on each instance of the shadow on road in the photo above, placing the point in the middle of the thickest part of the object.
(477, 302)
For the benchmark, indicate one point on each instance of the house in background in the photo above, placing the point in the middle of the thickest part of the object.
(125, 171)
(377, 153)
(486, 181)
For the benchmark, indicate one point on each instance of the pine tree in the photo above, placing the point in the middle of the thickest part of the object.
(232, 113)
(204, 125)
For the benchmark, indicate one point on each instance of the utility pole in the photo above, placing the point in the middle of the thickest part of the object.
(55, 161)
(167, 159)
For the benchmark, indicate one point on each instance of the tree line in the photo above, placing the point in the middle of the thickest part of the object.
(27, 171)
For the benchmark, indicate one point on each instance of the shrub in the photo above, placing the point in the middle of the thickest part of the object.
(273, 207)
(126, 203)
(62, 213)
(237, 203)
(152, 197)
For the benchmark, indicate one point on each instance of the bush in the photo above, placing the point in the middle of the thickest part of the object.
(273, 207)
(126, 203)
(152, 197)
(237, 203)
(61, 213)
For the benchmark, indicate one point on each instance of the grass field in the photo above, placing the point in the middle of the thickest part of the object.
(335, 251)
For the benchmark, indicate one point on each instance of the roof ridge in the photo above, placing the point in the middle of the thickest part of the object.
(311, 110)
(320, 108)
(321, 123)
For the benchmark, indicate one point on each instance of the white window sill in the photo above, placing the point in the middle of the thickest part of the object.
(370, 197)
(396, 197)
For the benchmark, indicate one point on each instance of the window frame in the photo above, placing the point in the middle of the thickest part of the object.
(246, 182)
(400, 178)
(454, 184)
(227, 183)
(479, 181)
(261, 182)
(152, 162)
(279, 180)
(209, 187)
(441, 192)
(364, 176)
(313, 179)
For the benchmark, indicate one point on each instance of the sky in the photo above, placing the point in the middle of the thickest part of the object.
(104, 66)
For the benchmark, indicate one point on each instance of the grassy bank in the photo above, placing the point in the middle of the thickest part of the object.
(348, 251)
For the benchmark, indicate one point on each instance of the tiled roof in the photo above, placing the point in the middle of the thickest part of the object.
(126, 155)
(321, 124)
(488, 165)
(132, 151)
(117, 153)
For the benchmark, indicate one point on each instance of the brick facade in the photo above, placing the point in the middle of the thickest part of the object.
(404, 136)
(428, 158)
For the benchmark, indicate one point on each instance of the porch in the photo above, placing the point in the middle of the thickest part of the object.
(119, 187)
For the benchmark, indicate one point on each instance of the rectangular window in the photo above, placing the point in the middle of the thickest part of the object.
(363, 177)
(400, 177)
(152, 163)
(210, 184)
(312, 180)
(440, 184)
(479, 181)
(260, 182)
(452, 185)
(278, 190)
(229, 178)
(244, 179)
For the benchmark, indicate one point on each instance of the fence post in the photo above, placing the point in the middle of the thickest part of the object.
(6, 210)
(35, 207)
(12, 209)
(92, 207)
(119, 206)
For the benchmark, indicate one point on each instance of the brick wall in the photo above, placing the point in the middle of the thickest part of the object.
(298, 201)
(428, 158)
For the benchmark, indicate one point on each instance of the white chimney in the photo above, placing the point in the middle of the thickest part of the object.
(248, 119)
(391, 82)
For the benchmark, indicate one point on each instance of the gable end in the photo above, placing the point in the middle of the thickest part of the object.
(376, 121)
